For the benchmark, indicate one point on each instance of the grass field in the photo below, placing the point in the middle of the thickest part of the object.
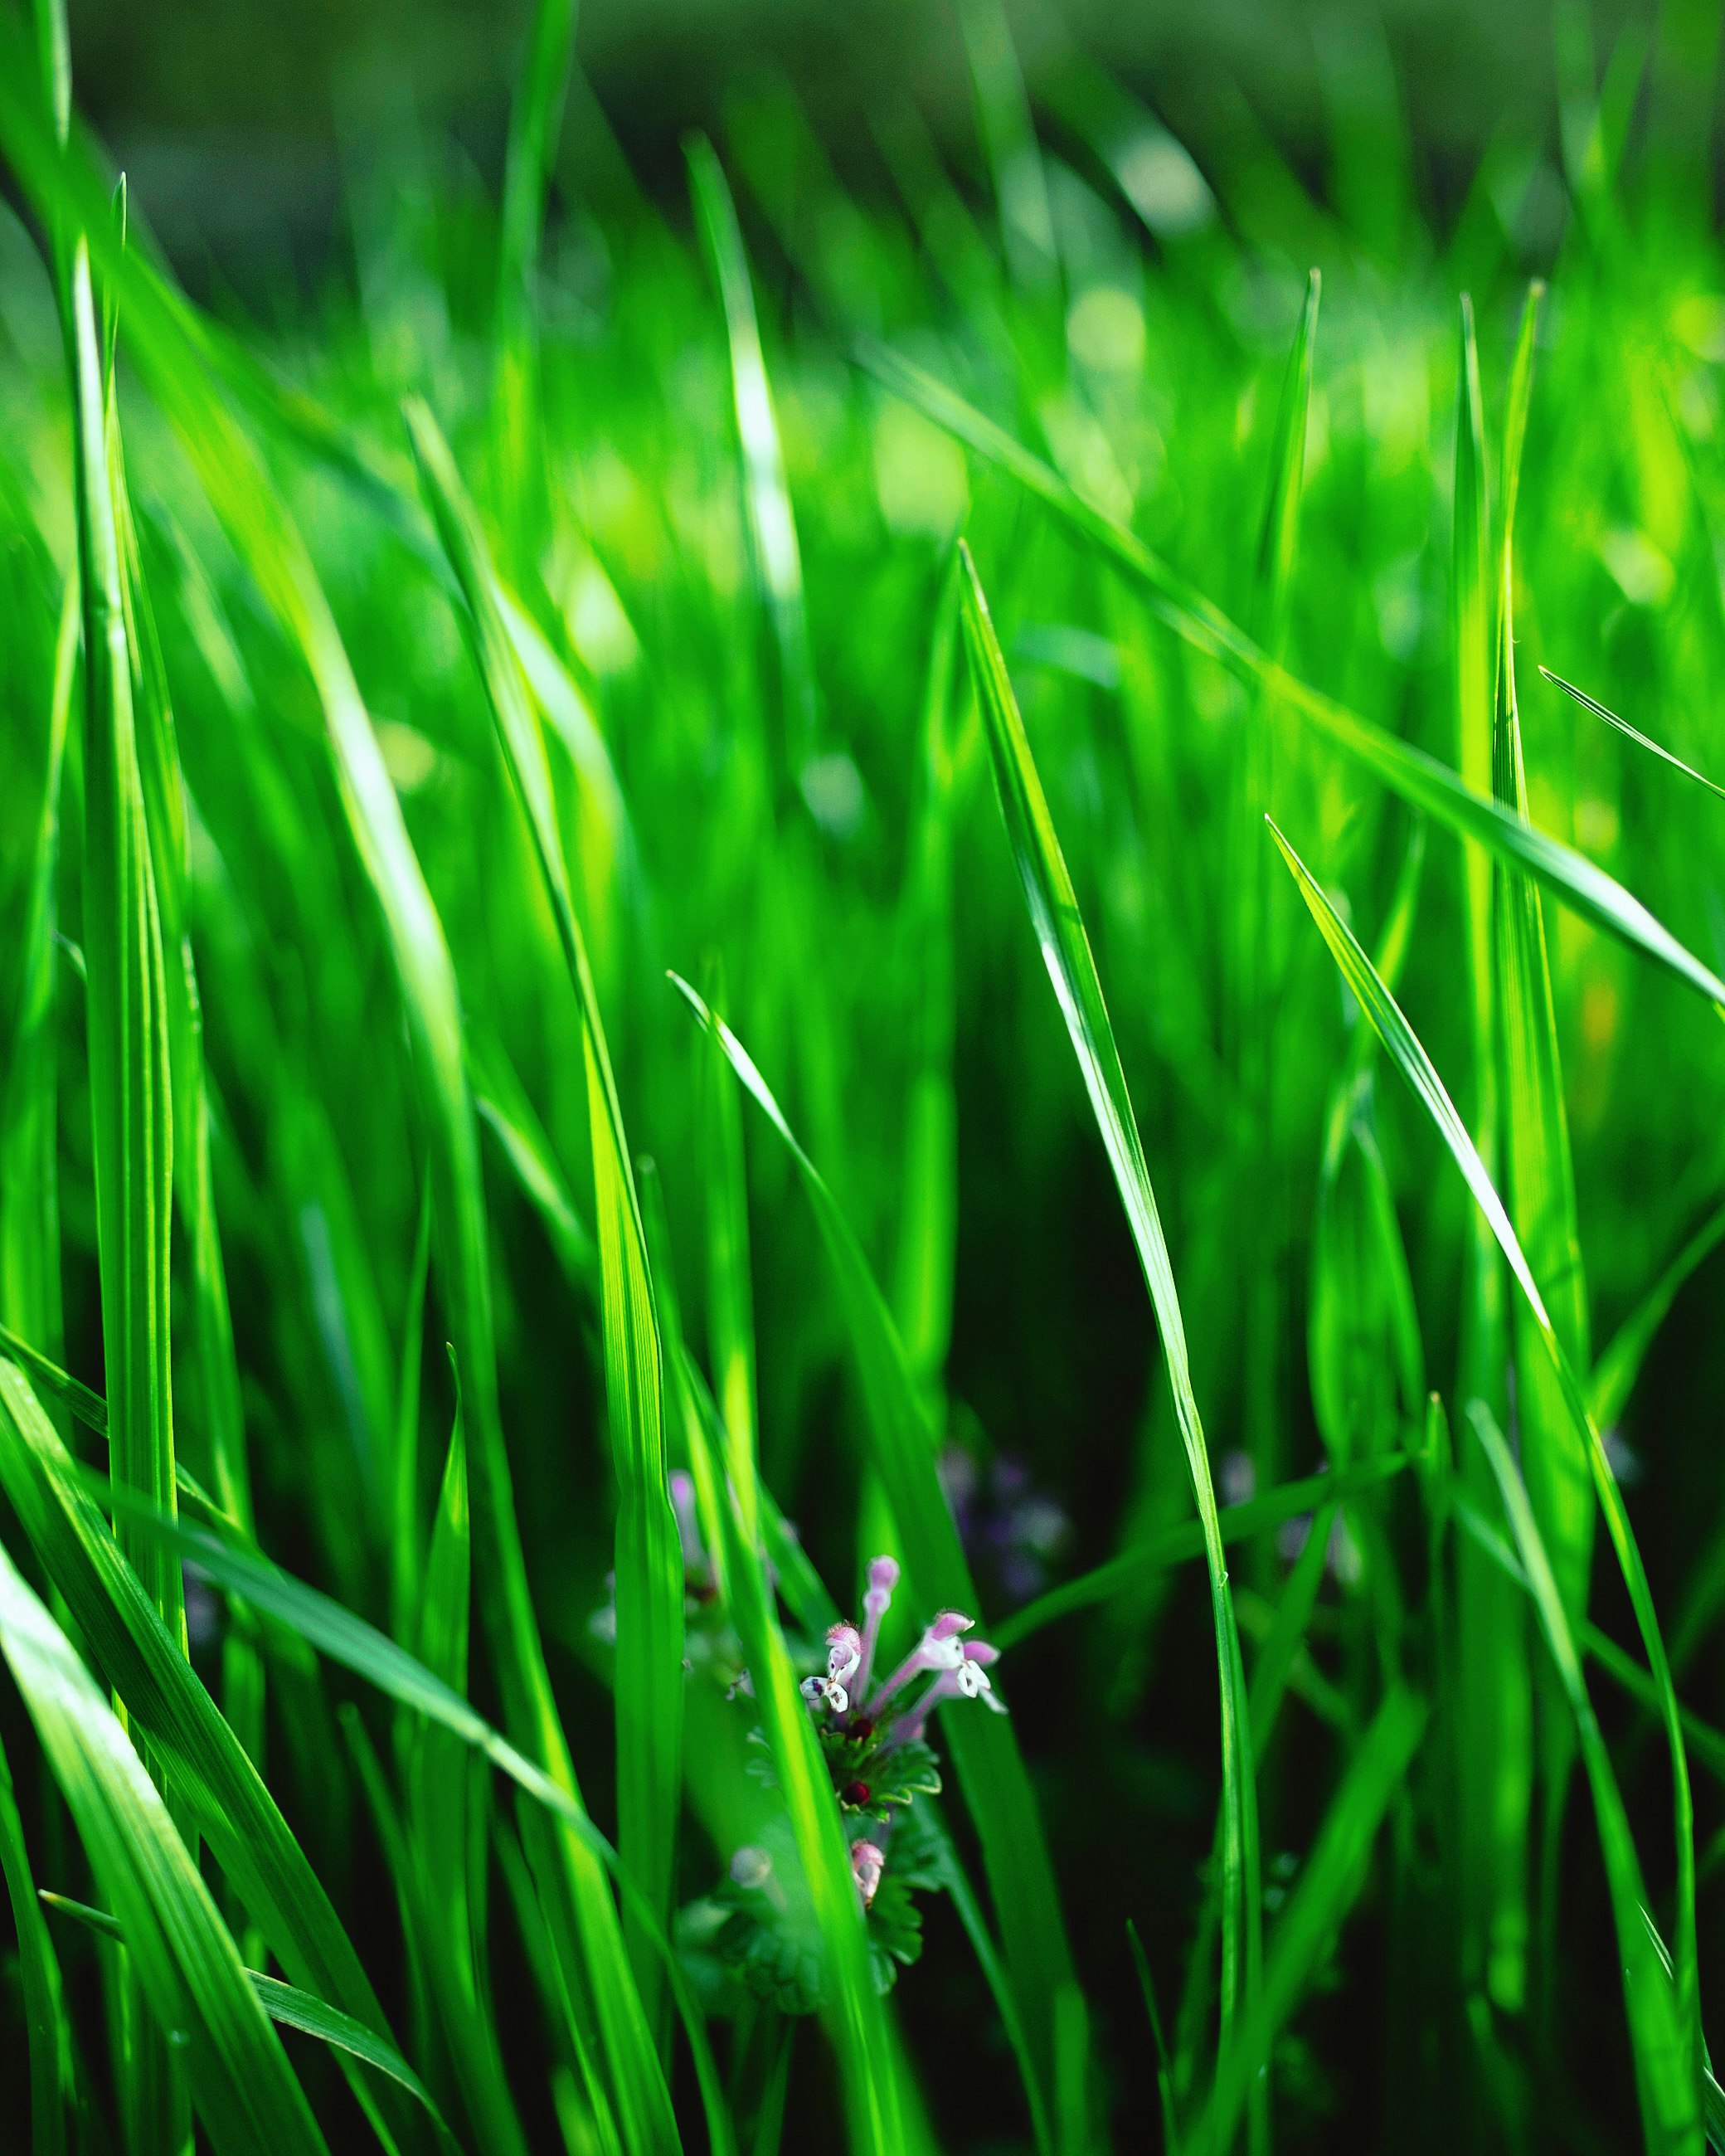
(857, 898)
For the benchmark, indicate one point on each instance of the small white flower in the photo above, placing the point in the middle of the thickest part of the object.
(844, 1653)
(867, 1863)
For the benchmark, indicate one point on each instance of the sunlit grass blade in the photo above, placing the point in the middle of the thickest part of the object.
(187, 1966)
(1494, 1697)
(1623, 726)
(730, 1294)
(1330, 1881)
(1066, 952)
(1003, 115)
(1364, 1353)
(922, 1280)
(336, 1632)
(290, 2008)
(772, 528)
(1279, 542)
(984, 1748)
(1657, 2012)
(1419, 779)
(1614, 1375)
(405, 1552)
(855, 2019)
(441, 1799)
(165, 339)
(131, 1107)
(54, 2088)
(30, 1292)
(211, 1774)
(504, 1106)
(1541, 1179)
(1386, 1020)
(535, 125)
(649, 1562)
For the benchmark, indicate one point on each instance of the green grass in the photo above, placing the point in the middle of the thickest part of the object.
(465, 1390)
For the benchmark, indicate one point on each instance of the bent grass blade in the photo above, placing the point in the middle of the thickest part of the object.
(1386, 1020)
(1066, 952)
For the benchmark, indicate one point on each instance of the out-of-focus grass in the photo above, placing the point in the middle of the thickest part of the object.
(398, 692)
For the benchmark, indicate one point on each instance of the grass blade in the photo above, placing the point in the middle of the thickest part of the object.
(1066, 951)
(649, 1564)
(1235, 1523)
(1385, 1018)
(1657, 2012)
(1619, 1363)
(1541, 1177)
(212, 1774)
(54, 2088)
(984, 1748)
(187, 1966)
(174, 356)
(772, 528)
(326, 1625)
(1420, 780)
(290, 2008)
(852, 2008)
(922, 1278)
(1329, 1882)
(535, 124)
(1494, 1677)
(1641, 740)
(30, 1298)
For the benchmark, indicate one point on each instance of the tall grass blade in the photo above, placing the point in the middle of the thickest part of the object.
(444, 1816)
(210, 1771)
(187, 1966)
(923, 1272)
(1614, 1375)
(1541, 1177)
(131, 1111)
(1386, 1020)
(649, 1562)
(772, 528)
(1330, 1881)
(869, 2070)
(1493, 1677)
(1419, 779)
(535, 125)
(1066, 952)
(53, 2087)
(30, 1292)
(1657, 2010)
(984, 1748)
(1623, 726)
(289, 2008)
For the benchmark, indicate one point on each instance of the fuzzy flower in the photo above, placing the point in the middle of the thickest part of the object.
(883, 1579)
(966, 1679)
(867, 1863)
(844, 1652)
(940, 1648)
